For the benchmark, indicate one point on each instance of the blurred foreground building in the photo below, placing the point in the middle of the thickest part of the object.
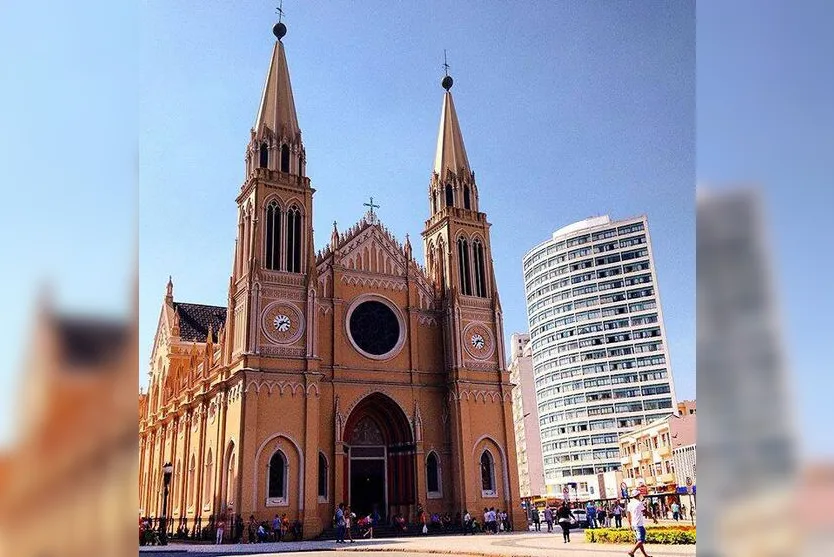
(600, 358)
(747, 445)
(526, 418)
(66, 485)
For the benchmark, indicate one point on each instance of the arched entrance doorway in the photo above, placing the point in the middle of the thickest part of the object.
(381, 458)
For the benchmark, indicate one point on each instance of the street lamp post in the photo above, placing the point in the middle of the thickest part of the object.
(167, 469)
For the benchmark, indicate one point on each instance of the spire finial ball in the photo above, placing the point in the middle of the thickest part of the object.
(279, 30)
(447, 82)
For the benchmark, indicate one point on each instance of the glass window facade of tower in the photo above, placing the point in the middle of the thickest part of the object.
(600, 359)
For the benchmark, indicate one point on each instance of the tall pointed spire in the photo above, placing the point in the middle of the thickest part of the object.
(451, 154)
(277, 109)
(275, 143)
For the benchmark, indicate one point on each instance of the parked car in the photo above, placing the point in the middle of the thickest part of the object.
(581, 518)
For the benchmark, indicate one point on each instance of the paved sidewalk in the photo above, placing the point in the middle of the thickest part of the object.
(517, 544)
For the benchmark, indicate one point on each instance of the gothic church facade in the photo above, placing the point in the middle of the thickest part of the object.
(353, 374)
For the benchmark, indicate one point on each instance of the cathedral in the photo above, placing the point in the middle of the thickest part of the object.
(353, 374)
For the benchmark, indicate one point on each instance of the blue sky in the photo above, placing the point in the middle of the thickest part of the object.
(567, 111)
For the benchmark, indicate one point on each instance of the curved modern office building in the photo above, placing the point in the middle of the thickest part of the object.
(600, 360)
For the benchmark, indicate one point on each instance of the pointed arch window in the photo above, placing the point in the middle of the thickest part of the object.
(175, 485)
(285, 158)
(207, 479)
(487, 474)
(480, 268)
(277, 479)
(322, 478)
(192, 480)
(466, 201)
(464, 267)
(442, 270)
(231, 476)
(263, 159)
(294, 240)
(433, 480)
(450, 196)
(272, 257)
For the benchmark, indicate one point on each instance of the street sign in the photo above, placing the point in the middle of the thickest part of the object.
(688, 481)
(566, 493)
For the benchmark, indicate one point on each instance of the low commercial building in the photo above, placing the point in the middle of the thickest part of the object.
(646, 457)
(686, 407)
(528, 440)
(684, 436)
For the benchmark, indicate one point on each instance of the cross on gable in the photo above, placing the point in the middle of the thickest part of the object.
(371, 206)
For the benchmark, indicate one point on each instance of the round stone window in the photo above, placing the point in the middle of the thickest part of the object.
(375, 328)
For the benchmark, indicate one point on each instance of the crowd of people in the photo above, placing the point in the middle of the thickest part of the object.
(225, 528)
(231, 528)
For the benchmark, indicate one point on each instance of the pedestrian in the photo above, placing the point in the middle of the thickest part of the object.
(635, 512)
(339, 519)
(676, 511)
(221, 526)
(617, 511)
(349, 516)
(565, 518)
(252, 529)
(683, 511)
(238, 528)
(548, 517)
(467, 522)
(276, 529)
(591, 514)
(602, 516)
(537, 520)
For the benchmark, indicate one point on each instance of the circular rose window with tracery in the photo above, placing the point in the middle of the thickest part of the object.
(375, 328)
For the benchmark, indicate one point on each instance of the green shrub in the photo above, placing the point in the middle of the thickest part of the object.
(668, 535)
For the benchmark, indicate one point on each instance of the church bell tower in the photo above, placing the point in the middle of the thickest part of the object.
(273, 277)
(458, 251)
(459, 263)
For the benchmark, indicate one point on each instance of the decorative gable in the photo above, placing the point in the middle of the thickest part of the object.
(373, 257)
(374, 251)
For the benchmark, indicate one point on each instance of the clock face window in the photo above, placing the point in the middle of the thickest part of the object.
(478, 342)
(374, 328)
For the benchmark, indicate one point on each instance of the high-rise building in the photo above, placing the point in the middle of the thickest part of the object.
(526, 418)
(600, 358)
